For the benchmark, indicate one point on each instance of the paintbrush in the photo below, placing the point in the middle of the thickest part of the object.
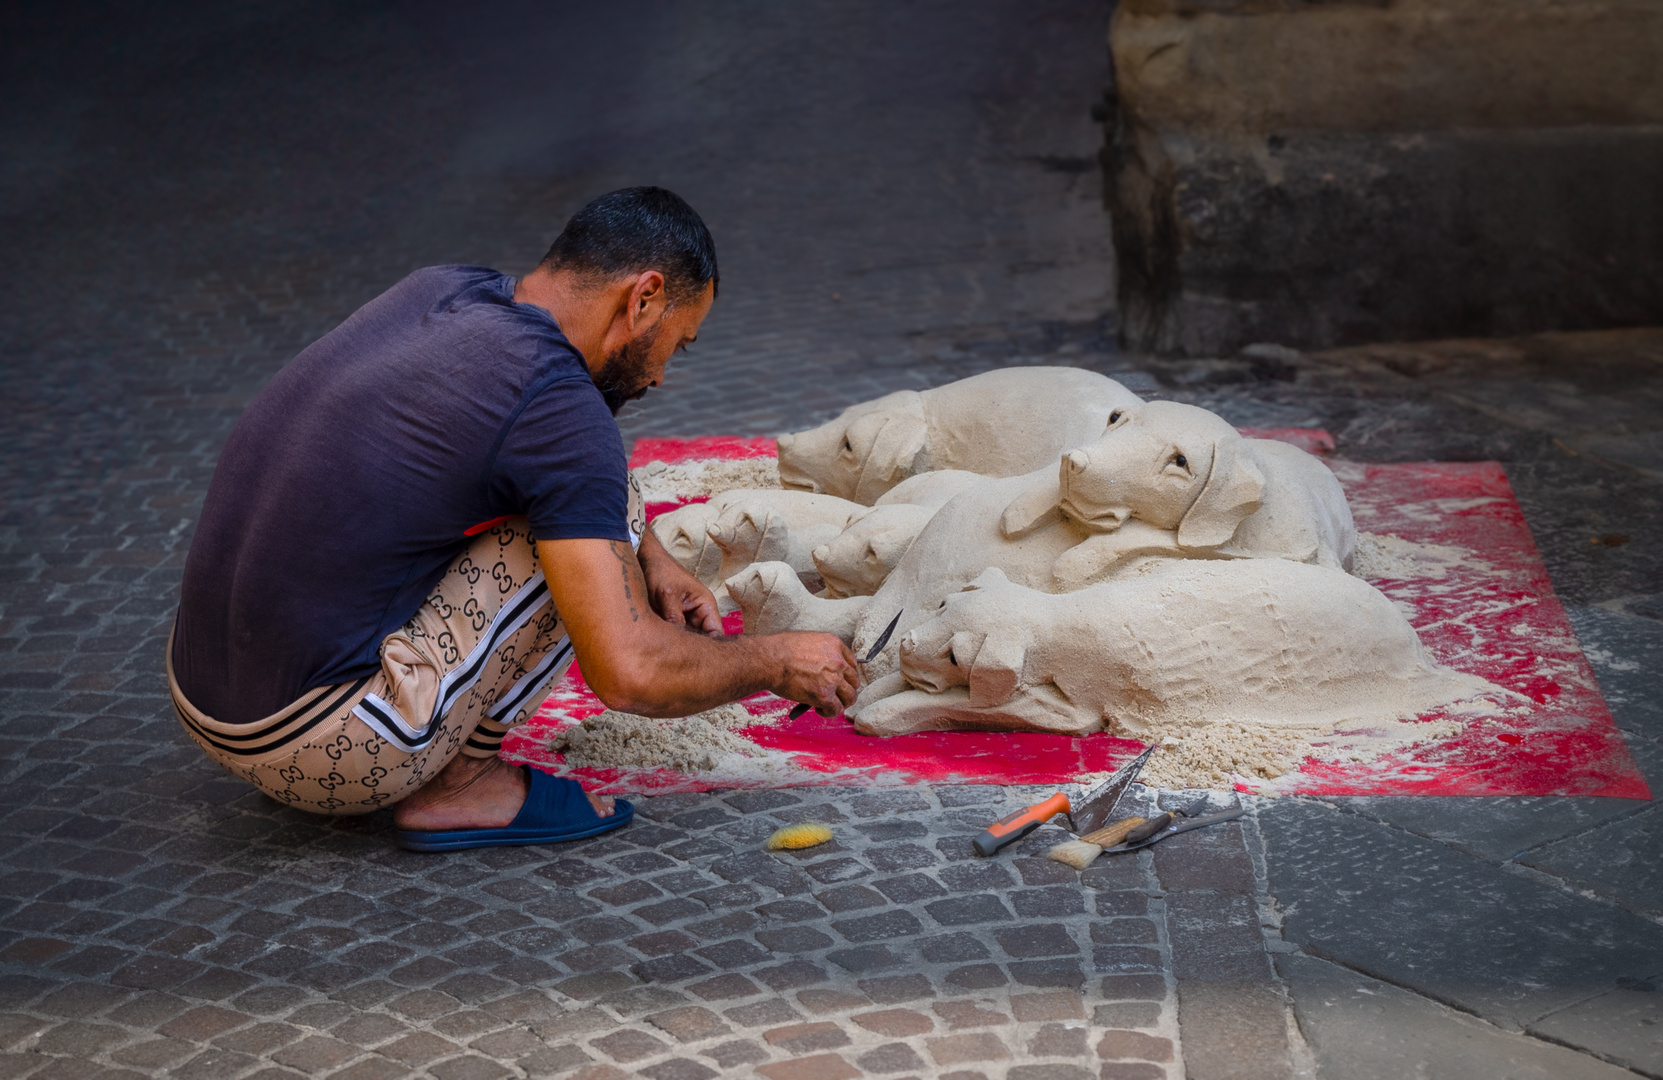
(1080, 852)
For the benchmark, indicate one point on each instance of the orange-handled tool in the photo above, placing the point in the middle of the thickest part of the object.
(1008, 830)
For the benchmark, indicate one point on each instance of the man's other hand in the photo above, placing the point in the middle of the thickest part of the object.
(819, 670)
(676, 595)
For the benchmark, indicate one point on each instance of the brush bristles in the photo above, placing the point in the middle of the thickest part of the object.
(793, 837)
(1076, 853)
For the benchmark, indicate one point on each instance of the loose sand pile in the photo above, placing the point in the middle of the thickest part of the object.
(703, 742)
(698, 479)
(1213, 755)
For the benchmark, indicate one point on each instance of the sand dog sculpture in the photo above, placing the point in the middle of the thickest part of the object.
(778, 526)
(999, 423)
(858, 561)
(1174, 480)
(685, 534)
(1266, 641)
(716, 539)
(1167, 480)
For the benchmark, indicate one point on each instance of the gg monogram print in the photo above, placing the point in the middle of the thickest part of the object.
(476, 659)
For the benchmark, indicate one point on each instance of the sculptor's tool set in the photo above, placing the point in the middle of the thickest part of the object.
(1088, 819)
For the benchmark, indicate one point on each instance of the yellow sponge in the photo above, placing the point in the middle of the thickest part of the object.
(793, 837)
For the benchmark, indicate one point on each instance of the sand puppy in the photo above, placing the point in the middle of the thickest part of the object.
(777, 526)
(1262, 641)
(860, 558)
(1175, 480)
(685, 534)
(999, 423)
(962, 539)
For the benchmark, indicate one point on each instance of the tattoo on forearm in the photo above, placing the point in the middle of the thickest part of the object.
(626, 559)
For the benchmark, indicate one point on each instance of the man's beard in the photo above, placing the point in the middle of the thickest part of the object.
(623, 376)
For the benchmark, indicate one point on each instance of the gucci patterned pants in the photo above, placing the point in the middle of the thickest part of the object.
(477, 658)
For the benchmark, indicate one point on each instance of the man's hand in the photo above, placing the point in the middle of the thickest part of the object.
(819, 671)
(637, 662)
(676, 595)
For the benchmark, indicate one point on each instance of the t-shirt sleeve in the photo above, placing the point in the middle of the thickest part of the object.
(562, 465)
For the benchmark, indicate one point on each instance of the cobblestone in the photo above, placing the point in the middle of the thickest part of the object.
(281, 165)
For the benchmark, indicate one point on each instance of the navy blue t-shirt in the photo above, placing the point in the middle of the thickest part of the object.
(348, 485)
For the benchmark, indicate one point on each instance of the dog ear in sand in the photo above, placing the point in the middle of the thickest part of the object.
(859, 559)
(685, 534)
(1000, 423)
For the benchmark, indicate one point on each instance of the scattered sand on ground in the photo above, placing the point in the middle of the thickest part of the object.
(1214, 755)
(1202, 755)
(704, 742)
(1382, 556)
(696, 479)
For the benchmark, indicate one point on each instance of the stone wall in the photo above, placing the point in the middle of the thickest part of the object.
(1322, 173)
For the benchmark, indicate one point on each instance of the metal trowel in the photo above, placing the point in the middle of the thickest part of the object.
(1086, 814)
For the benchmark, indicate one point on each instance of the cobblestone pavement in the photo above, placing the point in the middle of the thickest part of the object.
(901, 195)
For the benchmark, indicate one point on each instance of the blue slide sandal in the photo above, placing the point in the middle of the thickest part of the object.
(555, 809)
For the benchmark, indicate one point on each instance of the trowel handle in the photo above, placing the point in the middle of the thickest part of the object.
(1008, 830)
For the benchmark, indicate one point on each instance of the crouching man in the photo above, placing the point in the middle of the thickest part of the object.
(426, 515)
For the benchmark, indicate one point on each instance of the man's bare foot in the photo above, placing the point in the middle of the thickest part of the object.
(472, 793)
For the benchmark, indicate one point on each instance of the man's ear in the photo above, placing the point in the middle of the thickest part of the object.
(1033, 509)
(647, 300)
(1232, 492)
(997, 669)
(901, 440)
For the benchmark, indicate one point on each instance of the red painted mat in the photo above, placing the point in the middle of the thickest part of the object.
(1472, 583)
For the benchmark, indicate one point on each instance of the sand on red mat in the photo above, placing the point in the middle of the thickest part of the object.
(1492, 612)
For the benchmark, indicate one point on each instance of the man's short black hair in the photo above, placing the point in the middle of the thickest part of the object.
(637, 229)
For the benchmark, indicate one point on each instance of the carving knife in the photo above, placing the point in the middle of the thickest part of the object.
(1089, 814)
(871, 655)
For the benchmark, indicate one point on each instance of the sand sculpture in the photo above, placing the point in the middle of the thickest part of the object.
(1264, 641)
(1141, 567)
(858, 561)
(778, 526)
(999, 423)
(1175, 480)
(716, 539)
(1070, 524)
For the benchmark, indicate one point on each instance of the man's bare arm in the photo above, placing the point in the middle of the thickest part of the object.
(637, 662)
